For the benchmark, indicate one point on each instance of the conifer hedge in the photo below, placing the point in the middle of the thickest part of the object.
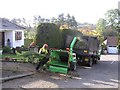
(50, 34)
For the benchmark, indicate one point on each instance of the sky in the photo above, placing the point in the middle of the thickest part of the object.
(83, 10)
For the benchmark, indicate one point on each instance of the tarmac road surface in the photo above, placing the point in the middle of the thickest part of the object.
(101, 75)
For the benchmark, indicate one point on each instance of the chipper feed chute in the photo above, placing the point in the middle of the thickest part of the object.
(60, 61)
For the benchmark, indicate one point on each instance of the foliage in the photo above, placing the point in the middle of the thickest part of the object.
(90, 33)
(38, 20)
(110, 25)
(24, 48)
(112, 18)
(70, 32)
(59, 21)
(18, 49)
(70, 20)
(27, 42)
(86, 26)
(110, 32)
(7, 49)
(49, 33)
(96, 34)
(29, 34)
(32, 57)
(21, 21)
(101, 26)
(104, 29)
(12, 56)
(93, 33)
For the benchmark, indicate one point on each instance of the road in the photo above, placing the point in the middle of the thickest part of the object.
(101, 75)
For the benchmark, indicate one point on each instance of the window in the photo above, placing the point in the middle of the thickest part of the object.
(18, 35)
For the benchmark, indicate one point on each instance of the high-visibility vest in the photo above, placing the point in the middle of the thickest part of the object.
(43, 51)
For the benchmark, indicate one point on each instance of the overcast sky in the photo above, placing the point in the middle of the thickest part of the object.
(83, 10)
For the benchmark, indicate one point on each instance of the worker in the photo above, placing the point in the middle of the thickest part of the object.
(43, 60)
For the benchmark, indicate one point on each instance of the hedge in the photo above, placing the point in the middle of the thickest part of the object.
(50, 34)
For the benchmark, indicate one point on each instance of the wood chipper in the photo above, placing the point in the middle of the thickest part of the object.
(63, 60)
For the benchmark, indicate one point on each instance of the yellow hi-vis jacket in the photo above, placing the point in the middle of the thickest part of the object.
(43, 51)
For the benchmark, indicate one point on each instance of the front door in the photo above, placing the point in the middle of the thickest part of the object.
(2, 39)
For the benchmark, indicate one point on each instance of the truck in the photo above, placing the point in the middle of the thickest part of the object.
(88, 50)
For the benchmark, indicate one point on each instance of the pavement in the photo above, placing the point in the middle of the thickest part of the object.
(101, 75)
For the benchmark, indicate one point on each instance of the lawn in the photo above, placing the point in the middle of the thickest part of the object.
(17, 56)
(12, 56)
(21, 57)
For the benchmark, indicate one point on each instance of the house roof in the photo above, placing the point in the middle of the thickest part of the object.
(7, 25)
(112, 41)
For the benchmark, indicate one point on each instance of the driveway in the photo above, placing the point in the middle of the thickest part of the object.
(101, 75)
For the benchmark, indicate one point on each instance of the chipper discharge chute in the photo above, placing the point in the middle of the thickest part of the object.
(63, 60)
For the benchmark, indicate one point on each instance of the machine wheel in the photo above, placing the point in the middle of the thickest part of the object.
(98, 58)
(90, 62)
(73, 66)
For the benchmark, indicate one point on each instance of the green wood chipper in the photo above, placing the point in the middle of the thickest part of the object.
(63, 60)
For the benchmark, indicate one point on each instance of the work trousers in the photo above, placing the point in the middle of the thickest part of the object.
(42, 62)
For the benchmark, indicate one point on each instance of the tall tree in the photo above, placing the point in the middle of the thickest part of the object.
(16, 21)
(112, 18)
(21, 21)
(101, 26)
(71, 22)
(54, 20)
(109, 26)
(47, 20)
(68, 20)
(61, 19)
(38, 20)
(29, 33)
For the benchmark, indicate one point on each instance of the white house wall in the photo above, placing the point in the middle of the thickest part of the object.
(18, 43)
(9, 35)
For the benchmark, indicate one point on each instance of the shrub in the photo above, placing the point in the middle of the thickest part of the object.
(7, 49)
(18, 49)
(50, 34)
(27, 42)
(24, 48)
(72, 33)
